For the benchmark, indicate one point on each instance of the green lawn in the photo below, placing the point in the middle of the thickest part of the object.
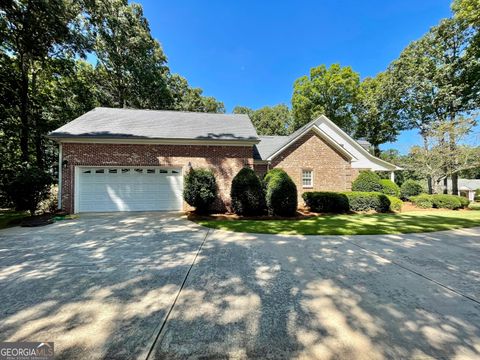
(11, 218)
(356, 224)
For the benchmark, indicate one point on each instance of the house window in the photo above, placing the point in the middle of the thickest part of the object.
(307, 178)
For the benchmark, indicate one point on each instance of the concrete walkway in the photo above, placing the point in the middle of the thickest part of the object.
(155, 285)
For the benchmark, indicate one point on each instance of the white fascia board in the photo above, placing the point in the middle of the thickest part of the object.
(365, 160)
(320, 133)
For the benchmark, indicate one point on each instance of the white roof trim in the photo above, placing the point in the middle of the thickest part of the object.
(360, 148)
(320, 133)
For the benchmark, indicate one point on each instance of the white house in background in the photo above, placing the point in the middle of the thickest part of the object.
(466, 187)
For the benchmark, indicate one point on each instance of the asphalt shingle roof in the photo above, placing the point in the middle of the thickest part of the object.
(158, 124)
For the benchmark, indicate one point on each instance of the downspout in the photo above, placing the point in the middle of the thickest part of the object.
(60, 165)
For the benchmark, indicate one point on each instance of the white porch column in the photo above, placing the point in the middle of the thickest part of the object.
(392, 176)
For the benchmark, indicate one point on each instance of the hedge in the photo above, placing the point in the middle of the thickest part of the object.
(367, 181)
(281, 193)
(367, 201)
(410, 188)
(247, 193)
(423, 201)
(200, 189)
(444, 201)
(474, 206)
(395, 203)
(326, 202)
(440, 201)
(334, 202)
(389, 188)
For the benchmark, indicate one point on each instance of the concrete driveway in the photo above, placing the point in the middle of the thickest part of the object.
(123, 286)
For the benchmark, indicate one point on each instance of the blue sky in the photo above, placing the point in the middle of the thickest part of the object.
(250, 52)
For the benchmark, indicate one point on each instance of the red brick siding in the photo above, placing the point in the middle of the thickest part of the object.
(225, 161)
(260, 169)
(331, 170)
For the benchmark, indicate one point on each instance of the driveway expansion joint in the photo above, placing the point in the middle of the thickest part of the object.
(165, 320)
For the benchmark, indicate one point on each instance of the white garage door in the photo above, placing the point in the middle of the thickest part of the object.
(128, 189)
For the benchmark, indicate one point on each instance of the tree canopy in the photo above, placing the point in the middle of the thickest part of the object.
(332, 91)
(269, 120)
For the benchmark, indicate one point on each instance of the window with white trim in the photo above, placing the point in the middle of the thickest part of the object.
(307, 178)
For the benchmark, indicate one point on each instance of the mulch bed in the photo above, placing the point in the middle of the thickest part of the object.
(37, 220)
(44, 219)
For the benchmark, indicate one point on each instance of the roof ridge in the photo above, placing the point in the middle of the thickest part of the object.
(166, 110)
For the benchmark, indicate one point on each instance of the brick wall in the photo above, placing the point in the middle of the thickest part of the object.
(331, 170)
(225, 161)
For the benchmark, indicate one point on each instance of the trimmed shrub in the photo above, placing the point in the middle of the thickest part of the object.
(410, 188)
(27, 186)
(474, 206)
(247, 193)
(50, 204)
(367, 181)
(464, 201)
(395, 203)
(200, 189)
(281, 193)
(444, 201)
(326, 202)
(477, 195)
(423, 201)
(367, 201)
(389, 187)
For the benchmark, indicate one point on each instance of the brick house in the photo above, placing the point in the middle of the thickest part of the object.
(134, 160)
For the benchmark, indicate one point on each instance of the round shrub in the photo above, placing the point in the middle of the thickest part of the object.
(395, 203)
(27, 186)
(247, 193)
(474, 206)
(281, 193)
(200, 189)
(389, 187)
(444, 201)
(326, 202)
(367, 201)
(410, 188)
(367, 181)
(423, 201)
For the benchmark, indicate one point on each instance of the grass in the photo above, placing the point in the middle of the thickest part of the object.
(356, 224)
(10, 218)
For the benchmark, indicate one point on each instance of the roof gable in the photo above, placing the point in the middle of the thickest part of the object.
(270, 147)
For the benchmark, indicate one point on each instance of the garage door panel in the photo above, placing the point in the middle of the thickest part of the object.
(127, 189)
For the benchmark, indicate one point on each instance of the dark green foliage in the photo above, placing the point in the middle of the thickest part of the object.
(333, 202)
(439, 201)
(410, 188)
(247, 193)
(281, 193)
(367, 201)
(445, 201)
(423, 201)
(200, 189)
(326, 202)
(27, 186)
(395, 203)
(367, 181)
(389, 187)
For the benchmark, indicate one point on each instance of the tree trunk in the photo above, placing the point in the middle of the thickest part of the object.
(445, 185)
(376, 150)
(429, 178)
(24, 118)
(455, 184)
